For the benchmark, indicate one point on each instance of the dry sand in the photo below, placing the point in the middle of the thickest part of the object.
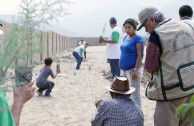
(74, 95)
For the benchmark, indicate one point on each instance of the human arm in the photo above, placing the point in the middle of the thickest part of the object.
(153, 53)
(115, 38)
(152, 58)
(21, 96)
(85, 54)
(52, 74)
(138, 61)
(101, 115)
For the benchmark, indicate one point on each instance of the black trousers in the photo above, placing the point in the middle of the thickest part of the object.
(48, 86)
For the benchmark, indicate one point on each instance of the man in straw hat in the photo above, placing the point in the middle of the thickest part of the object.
(170, 60)
(121, 110)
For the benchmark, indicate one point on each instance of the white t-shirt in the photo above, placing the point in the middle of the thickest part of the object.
(113, 50)
(190, 22)
(81, 43)
(79, 48)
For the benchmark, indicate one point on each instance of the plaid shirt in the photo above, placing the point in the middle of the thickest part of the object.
(153, 53)
(121, 111)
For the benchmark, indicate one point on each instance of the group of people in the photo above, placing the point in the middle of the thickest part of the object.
(169, 59)
(125, 54)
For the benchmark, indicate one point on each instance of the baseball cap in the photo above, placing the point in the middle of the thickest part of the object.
(144, 14)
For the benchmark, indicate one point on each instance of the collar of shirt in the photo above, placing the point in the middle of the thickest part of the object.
(186, 18)
(161, 23)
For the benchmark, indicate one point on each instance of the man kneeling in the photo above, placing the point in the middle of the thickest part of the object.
(121, 110)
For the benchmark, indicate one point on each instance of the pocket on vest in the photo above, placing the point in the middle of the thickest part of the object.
(185, 75)
(153, 91)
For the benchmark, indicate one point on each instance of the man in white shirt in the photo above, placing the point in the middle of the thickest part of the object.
(78, 54)
(82, 42)
(186, 14)
(113, 47)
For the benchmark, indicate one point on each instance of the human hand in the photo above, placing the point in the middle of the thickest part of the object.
(98, 103)
(134, 75)
(58, 72)
(101, 39)
(24, 93)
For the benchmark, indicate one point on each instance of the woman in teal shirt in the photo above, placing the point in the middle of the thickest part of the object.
(131, 58)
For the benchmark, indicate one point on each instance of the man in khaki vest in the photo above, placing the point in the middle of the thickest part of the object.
(170, 60)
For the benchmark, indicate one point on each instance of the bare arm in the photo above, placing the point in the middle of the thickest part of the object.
(115, 38)
(102, 40)
(16, 111)
(21, 96)
(109, 41)
(138, 61)
(55, 76)
(139, 57)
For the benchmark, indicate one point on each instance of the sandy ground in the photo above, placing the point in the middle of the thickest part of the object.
(74, 95)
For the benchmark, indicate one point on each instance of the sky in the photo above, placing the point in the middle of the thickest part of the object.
(89, 16)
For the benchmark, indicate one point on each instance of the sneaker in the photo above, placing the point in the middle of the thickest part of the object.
(47, 96)
(39, 93)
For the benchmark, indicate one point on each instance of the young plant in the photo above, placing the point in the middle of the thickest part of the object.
(24, 40)
(186, 111)
(104, 29)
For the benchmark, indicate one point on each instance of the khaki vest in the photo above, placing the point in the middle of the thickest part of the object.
(175, 78)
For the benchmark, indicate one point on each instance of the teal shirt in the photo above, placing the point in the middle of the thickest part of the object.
(6, 118)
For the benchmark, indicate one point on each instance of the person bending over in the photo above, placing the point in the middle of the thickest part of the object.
(78, 54)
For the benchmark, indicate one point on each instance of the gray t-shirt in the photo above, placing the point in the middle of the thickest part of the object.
(44, 74)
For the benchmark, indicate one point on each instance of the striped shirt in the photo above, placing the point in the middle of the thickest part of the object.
(121, 111)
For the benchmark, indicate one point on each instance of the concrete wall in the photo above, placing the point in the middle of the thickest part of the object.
(93, 41)
(53, 43)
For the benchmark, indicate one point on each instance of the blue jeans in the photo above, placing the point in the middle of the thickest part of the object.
(78, 58)
(114, 66)
(48, 86)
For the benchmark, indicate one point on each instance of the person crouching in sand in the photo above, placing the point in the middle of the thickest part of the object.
(42, 83)
(78, 54)
(121, 110)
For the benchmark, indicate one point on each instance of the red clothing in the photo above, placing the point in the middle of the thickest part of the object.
(153, 53)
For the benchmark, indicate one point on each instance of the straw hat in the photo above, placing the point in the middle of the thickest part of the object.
(120, 85)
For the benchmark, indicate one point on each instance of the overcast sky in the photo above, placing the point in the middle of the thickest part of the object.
(89, 16)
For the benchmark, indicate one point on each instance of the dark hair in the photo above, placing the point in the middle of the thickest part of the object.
(132, 22)
(48, 61)
(186, 10)
(113, 20)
